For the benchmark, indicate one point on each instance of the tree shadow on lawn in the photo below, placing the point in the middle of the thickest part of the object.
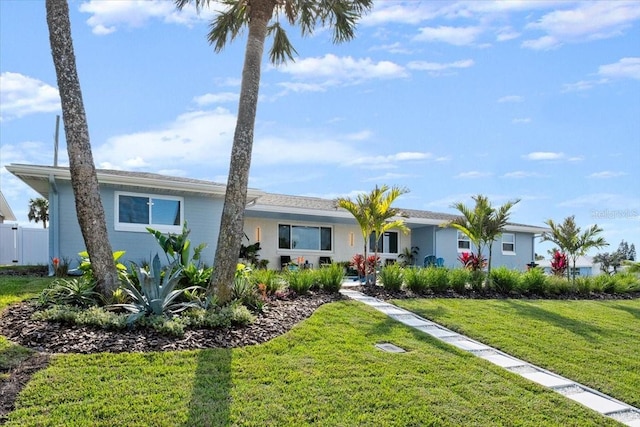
(631, 310)
(577, 327)
(211, 397)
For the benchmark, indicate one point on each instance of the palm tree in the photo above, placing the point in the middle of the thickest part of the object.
(496, 225)
(374, 214)
(482, 225)
(39, 210)
(261, 19)
(473, 223)
(84, 180)
(569, 239)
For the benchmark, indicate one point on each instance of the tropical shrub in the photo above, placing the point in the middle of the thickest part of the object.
(269, 278)
(559, 263)
(472, 261)
(78, 292)
(93, 316)
(87, 270)
(194, 275)
(330, 277)
(626, 282)
(438, 278)
(458, 279)
(358, 263)
(244, 291)
(392, 277)
(557, 285)
(476, 280)
(532, 282)
(504, 280)
(177, 247)
(60, 266)
(416, 279)
(157, 294)
(301, 280)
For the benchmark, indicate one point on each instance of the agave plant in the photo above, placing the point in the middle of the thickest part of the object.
(157, 294)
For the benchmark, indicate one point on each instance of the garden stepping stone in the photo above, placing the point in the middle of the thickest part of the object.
(606, 405)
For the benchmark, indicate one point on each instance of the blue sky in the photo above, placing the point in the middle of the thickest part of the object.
(537, 100)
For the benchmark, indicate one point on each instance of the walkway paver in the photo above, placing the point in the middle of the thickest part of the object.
(593, 399)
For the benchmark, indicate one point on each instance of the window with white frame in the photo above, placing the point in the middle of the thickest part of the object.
(509, 243)
(303, 237)
(136, 212)
(464, 243)
(388, 243)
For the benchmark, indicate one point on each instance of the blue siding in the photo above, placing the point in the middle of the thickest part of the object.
(201, 213)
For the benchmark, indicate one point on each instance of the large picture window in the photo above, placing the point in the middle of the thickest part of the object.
(388, 243)
(135, 212)
(302, 237)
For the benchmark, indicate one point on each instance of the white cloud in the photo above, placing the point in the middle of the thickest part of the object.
(602, 201)
(107, 16)
(400, 12)
(21, 95)
(544, 155)
(522, 174)
(389, 161)
(473, 175)
(586, 21)
(521, 120)
(335, 70)
(193, 138)
(624, 68)
(606, 174)
(510, 99)
(216, 98)
(436, 68)
(458, 36)
(389, 176)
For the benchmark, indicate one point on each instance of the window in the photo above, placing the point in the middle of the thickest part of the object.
(135, 212)
(509, 243)
(388, 243)
(302, 237)
(463, 242)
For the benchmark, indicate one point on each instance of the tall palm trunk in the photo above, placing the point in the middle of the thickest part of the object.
(232, 221)
(84, 179)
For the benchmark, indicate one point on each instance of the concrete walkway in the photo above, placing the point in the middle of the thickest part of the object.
(599, 402)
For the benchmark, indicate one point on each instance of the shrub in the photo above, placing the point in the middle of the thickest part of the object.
(504, 280)
(157, 294)
(79, 292)
(331, 277)
(269, 278)
(476, 280)
(533, 282)
(244, 291)
(196, 276)
(416, 279)
(626, 282)
(93, 316)
(392, 277)
(300, 281)
(458, 279)
(438, 278)
(583, 285)
(556, 285)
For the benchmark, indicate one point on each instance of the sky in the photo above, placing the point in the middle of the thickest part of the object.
(530, 100)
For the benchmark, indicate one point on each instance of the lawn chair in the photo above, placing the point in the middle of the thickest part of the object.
(440, 262)
(430, 261)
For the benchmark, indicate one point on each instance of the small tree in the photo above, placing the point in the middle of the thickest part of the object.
(609, 261)
(571, 240)
(39, 211)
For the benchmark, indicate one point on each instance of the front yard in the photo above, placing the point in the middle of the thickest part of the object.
(326, 371)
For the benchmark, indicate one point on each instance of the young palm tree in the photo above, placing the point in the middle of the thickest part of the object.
(261, 17)
(570, 240)
(374, 214)
(84, 179)
(39, 211)
(482, 225)
(496, 225)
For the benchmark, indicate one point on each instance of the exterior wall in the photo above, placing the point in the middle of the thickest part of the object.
(202, 216)
(523, 255)
(342, 249)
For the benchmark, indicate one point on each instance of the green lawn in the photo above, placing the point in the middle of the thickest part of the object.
(596, 343)
(324, 372)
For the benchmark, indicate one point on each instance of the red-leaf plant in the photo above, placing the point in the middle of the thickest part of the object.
(472, 261)
(559, 263)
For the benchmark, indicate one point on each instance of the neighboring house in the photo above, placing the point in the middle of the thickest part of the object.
(287, 227)
(6, 214)
(584, 266)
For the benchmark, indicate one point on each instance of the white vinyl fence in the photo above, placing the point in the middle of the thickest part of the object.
(23, 245)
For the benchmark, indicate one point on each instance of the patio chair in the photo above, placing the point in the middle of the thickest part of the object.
(430, 261)
(324, 260)
(284, 261)
(439, 262)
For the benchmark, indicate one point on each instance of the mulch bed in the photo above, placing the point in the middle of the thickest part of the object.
(47, 338)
